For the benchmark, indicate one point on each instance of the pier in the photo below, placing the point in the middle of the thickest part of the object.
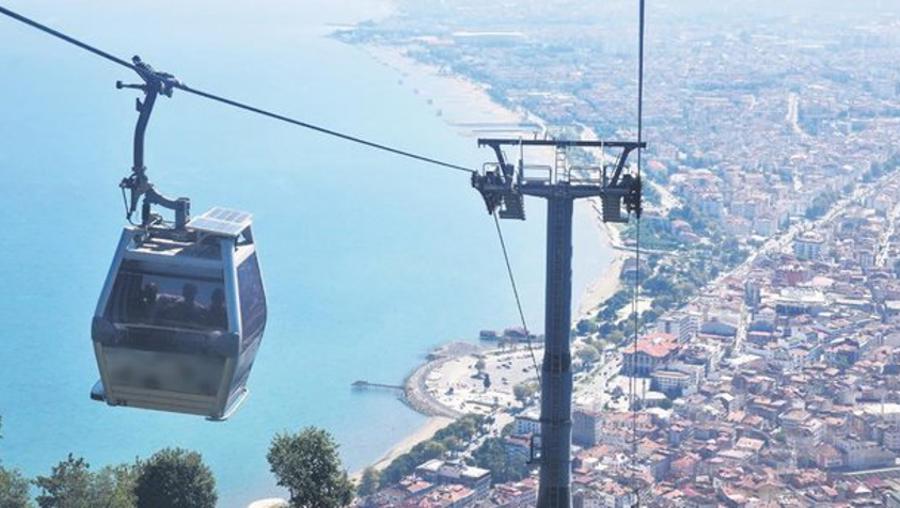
(362, 385)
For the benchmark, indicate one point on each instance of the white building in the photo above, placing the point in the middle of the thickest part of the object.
(672, 382)
(528, 422)
(892, 438)
(808, 246)
(864, 454)
(679, 324)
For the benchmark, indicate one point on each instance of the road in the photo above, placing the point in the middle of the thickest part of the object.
(884, 243)
(793, 114)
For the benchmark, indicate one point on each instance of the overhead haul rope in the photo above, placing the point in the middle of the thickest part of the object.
(637, 254)
(233, 103)
(330, 132)
(515, 290)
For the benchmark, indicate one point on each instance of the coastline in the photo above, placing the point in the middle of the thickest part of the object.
(422, 433)
(460, 102)
(468, 107)
(607, 282)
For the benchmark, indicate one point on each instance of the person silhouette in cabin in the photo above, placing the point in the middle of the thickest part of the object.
(188, 311)
(148, 302)
(215, 316)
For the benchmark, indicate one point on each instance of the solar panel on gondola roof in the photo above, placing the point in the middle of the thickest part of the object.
(221, 221)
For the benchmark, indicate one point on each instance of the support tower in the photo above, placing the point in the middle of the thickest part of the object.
(503, 186)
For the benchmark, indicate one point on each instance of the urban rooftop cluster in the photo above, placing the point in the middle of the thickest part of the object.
(766, 368)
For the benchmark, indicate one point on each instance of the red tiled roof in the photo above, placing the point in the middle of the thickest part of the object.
(657, 345)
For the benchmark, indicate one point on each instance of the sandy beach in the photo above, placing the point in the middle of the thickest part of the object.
(460, 102)
(423, 433)
(607, 283)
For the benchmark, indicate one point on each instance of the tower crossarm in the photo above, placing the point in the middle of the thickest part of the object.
(503, 184)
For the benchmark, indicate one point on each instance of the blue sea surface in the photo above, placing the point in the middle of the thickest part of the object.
(369, 259)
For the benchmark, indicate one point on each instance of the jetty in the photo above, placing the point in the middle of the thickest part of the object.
(363, 384)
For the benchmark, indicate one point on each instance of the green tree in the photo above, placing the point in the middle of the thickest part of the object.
(175, 478)
(13, 489)
(588, 354)
(68, 486)
(308, 466)
(13, 486)
(368, 484)
(430, 449)
(113, 486)
(504, 467)
(479, 364)
(649, 316)
(616, 337)
(663, 302)
(656, 285)
(453, 443)
(586, 327)
(453, 437)
(524, 391)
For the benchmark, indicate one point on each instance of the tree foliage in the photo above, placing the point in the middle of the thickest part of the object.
(68, 486)
(113, 486)
(452, 437)
(504, 467)
(524, 391)
(588, 354)
(13, 489)
(175, 478)
(368, 483)
(307, 464)
(71, 484)
(586, 327)
(820, 205)
(13, 486)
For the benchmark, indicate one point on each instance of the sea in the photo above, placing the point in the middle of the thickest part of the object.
(369, 259)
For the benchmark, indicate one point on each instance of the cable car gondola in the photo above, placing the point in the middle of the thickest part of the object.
(182, 313)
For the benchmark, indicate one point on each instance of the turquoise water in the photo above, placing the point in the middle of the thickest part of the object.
(369, 259)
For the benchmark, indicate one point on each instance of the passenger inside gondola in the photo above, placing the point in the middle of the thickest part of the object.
(215, 316)
(147, 306)
(165, 301)
(188, 310)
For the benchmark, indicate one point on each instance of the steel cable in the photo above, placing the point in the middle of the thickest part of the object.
(330, 132)
(515, 290)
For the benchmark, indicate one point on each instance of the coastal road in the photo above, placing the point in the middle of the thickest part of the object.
(793, 114)
(884, 243)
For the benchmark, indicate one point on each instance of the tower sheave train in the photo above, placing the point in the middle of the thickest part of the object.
(183, 309)
(503, 186)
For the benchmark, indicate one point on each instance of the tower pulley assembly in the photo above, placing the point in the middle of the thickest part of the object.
(502, 184)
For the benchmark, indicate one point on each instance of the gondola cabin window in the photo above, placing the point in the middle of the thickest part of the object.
(253, 300)
(155, 298)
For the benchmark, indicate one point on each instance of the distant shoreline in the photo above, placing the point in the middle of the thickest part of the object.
(466, 105)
